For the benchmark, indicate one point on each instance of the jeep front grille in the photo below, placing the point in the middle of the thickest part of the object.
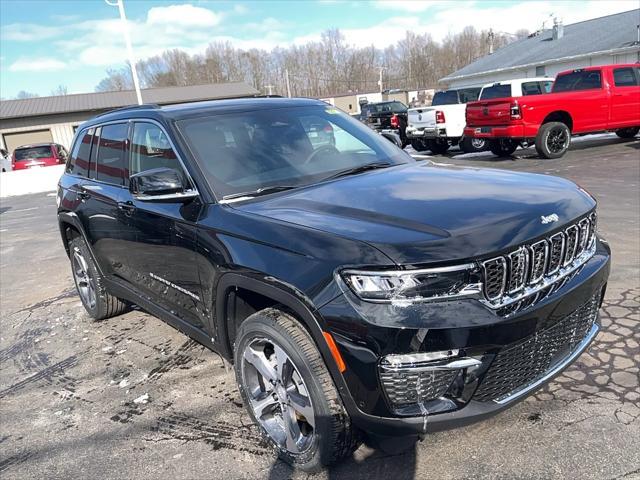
(518, 365)
(531, 268)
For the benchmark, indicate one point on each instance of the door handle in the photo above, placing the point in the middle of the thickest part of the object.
(127, 207)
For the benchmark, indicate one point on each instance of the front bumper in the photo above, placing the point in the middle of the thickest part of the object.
(472, 328)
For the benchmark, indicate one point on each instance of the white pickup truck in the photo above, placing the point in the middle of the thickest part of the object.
(441, 125)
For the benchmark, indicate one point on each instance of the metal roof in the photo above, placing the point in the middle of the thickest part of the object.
(605, 34)
(31, 107)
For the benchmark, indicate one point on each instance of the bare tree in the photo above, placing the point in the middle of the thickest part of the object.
(60, 90)
(23, 94)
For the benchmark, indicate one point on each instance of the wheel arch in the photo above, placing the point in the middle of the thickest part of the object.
(559, 116)
(71, 227)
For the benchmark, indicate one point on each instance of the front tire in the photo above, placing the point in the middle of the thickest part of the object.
(553, 140)
(473, 145)
(438, 147)
(628, 132)
(95, 298)
(503, 147)
(289, 393)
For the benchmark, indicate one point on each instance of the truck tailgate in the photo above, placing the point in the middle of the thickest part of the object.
(489, 112)
(424, 117)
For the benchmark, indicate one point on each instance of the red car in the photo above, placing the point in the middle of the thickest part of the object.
(582, 101)
(38, 155)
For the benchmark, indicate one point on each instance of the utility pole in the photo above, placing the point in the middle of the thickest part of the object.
(380, 78)
(490, 37)
(127, 41)
(286, 74)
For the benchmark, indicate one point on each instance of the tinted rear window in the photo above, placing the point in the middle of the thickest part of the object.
(578, 80)
(110, 161)
(22, 154)
(496, 91)
(390, 107)
(79, 162)
(449, 97)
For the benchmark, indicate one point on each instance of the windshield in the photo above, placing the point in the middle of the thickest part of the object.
(449, 97)
(496, 91)
(28, 153)
(248, 151)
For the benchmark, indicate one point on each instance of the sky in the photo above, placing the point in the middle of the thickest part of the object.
(44, 44)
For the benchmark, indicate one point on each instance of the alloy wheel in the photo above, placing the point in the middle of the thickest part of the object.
(557, 140)
(477, 143)
(278, 396)
(84, 282)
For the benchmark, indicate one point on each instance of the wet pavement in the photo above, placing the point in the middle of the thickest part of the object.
(130, 397)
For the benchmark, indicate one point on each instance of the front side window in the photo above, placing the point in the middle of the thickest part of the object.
(110, 159)
(625, 77)
(79, 162)
(578, 80)
(243, 152)
(150, 148)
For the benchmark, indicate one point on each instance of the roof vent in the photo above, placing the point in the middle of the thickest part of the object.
(558, 29)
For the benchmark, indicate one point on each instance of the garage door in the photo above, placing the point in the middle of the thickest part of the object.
(14, 140)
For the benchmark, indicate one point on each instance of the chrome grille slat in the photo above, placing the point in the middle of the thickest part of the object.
(519, 279)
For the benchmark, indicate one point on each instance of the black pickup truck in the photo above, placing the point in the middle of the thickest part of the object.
(391, 115)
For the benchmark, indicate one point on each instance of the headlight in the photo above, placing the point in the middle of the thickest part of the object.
(416, 285)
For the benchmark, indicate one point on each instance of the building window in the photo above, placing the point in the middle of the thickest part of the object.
(540, 71)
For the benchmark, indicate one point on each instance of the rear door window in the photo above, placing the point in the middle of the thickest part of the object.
(468, 94)
(497, 90)
(625, 77)
(79, 162)
(110, 159)
(536, 88)
(578, 80)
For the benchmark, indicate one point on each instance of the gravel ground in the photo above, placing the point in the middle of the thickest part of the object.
(130, 397)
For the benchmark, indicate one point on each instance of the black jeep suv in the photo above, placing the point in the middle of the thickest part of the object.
(355, 290)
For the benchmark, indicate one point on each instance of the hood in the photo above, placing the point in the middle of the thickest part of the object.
(424, 213)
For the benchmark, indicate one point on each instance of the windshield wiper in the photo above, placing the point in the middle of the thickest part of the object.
(359, 169)
(258, 192)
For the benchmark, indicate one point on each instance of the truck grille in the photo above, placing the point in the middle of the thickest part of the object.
(522, 363)
(404, 387)
(509, 275)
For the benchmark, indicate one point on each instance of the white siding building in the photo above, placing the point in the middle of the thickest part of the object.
(55, 119)
(601, 41)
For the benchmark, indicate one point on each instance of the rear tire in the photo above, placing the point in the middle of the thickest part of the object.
(270, 343)
(473, 145)
(553, 140)
(419, 145)
(628, 132)
(503, 147)
(438, 147)
(95, 297)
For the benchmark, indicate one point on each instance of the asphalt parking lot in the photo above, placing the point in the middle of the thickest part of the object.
(130, 397)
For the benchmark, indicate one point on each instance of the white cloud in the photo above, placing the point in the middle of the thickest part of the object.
(28, 32)
(414, 6)
(185, 15)
(41, 64)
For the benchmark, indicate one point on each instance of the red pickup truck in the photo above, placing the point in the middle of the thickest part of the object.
(582, 101)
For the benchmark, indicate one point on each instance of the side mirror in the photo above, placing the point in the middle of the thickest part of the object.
(160, 184)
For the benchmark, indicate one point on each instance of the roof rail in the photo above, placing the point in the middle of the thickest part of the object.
(131, 107)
